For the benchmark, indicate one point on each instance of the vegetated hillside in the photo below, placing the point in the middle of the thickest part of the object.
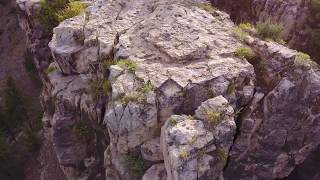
(173, 89)
(20, 110)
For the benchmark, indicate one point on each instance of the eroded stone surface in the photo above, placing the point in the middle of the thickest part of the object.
(197, 147)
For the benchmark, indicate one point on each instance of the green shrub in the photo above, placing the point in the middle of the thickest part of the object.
(300, 56)
(213, 117)
(147, 87)
(239, 33)
(231, 88)
(244, 52)
(133, 97)
(183, 154)
(128, 65)
(222, 155)
(99, 88)
(206, 6)
(242, 30)
(71, 10)
(54, 11)
(135, 164)
(315, 6)
(173, 121)
(50, 69)
(269, 30)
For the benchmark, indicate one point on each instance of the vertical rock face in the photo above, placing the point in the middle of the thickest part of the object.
(280, 128)
(198, 148)
(301, 19)
(152, 89)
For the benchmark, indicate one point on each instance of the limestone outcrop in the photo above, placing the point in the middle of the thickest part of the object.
(153, 90)
(300, 19)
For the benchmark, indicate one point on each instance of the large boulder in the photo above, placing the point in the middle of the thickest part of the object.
(197, 147)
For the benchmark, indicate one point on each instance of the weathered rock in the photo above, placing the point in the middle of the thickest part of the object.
(278, 132)
(198, 149)
(177, 57)
(300, 19)
(151, 151)
(155, 172)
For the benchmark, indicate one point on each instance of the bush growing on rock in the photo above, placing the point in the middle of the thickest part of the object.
(269, 30)
(54, 11)
(71, 10)
(206, 6)
(128, 65)
(136, 165)
(244, 52)
(300, 56)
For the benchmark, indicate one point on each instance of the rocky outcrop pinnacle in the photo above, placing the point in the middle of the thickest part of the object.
(153, 90)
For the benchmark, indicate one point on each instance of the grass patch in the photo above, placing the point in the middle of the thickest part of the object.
(222, 155)
(54, 11)
(244, 53)
(72, 9)
(173, 121)
(133, 97)
(183, 154)
(269, 30)
(128, 65)
(135, 164)
(50, 69)
(231, 88)
(206, 6)
(239, 33)
(99, 88)
(300, 56)
(242, 30)
(213, 117)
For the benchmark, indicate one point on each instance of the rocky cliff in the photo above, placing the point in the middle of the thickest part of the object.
(301, 19)
(154, 90)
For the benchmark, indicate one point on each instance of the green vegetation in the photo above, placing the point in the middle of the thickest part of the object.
(206, 6)
(128, 65)
(133, 97)
(99, 88)
(315, 6)
(20, 123)
(183, 154)
(147, 87)
(54, 11)
(72, 9)
(80, 129)
(193, 140)
(223, 157)
(268, 30)
(136, 165)
(50, 69)
(300, 56)
(231, 88)
(213, 117)
(244, 53)
(239, 33)
(173, 121)
(242, 30)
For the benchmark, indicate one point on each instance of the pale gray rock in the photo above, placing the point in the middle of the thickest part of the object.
(197, 147)
(151, 151)
(278, 131)
(155, 172)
